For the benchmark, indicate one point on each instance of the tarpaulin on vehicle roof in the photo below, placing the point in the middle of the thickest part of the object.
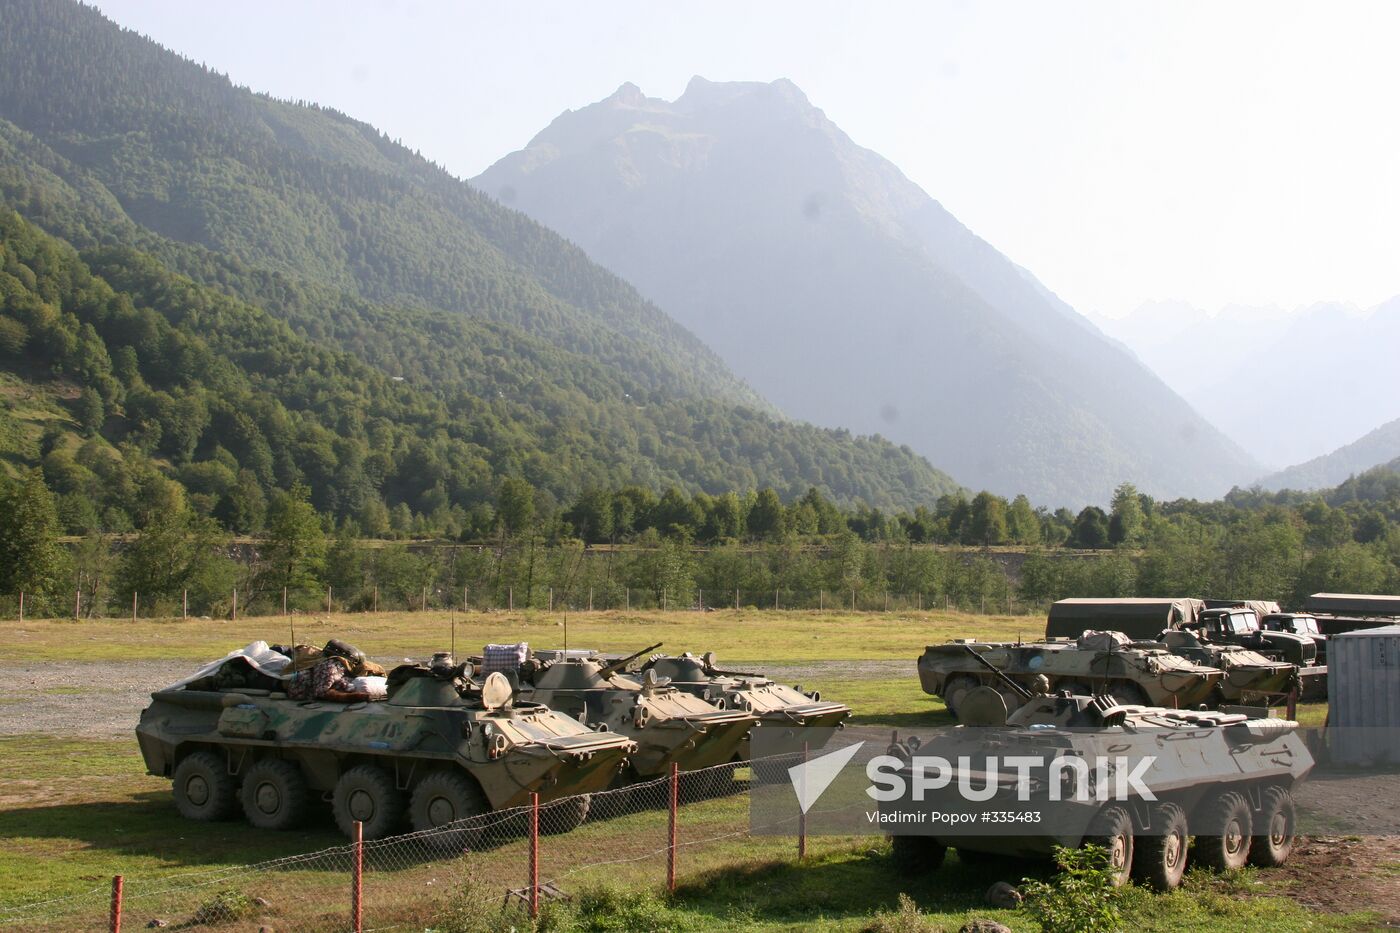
(1359, 604)
(1136, 618)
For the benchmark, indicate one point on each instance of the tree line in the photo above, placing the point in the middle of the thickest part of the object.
(631, 547)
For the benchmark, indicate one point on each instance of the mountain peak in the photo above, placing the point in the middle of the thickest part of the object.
(702, 93)
(627, 95)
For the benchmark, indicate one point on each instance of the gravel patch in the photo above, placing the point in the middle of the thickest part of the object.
(104, 699)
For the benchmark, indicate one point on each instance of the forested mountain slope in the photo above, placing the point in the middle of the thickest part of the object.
(423, 341)
(307, 191)
(847, 295)
(123, 375)
(1377, 448)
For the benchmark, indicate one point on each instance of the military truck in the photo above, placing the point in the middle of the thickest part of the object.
(438, 750)
(1239, 625)
(1095, 662)
(789, 720)
(1298, 623)
(1346, 612)
(1139, 619)
(1224, 778)
(666, 724)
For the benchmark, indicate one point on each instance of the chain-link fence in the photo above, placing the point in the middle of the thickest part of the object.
(646, 834)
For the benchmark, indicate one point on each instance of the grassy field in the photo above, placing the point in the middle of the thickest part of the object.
(73, 812)
(743, 635)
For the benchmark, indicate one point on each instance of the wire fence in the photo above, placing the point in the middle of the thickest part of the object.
(646, 834)
(241, 604)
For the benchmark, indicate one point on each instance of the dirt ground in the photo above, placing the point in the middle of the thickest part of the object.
(104, 699)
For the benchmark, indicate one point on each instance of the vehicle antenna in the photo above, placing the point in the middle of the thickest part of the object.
(453, 617)
(292, 625)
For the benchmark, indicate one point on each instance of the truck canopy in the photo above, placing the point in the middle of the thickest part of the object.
(1353, 604)
(1137, 618)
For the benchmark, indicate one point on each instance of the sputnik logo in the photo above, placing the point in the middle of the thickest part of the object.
(811, 778)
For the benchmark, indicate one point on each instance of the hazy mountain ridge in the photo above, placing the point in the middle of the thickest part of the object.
(1378, 448)
(521, 356)
(839, 289)
(1310, 379)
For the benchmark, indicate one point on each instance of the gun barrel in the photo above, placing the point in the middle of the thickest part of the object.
(999, 674)
(620, 663)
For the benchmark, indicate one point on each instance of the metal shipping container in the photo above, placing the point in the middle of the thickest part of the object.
(1363, 694)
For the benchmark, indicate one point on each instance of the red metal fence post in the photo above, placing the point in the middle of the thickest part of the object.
(357, 870)
(115, 924)
(1293, 704)
(671, 832)
(534, 856)
(802, 816)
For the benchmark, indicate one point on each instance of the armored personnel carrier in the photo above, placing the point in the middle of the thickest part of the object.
(789, 719)
(1223, 634)
(667, 724)
(1249, 677)
(1095, 662)
(1224, 778)
(439, 749)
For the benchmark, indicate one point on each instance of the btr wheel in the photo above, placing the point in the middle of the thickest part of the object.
(955, 689)
(204, 790)
(1278, 827)
(366, 794)
(915, 855)
(1112, 829)
(564, 815)
(275, 795)
(1127, 693)
(443, 798)
(1223, 836)
(1160, 857)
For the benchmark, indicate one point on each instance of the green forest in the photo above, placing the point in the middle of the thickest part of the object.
(630, 548)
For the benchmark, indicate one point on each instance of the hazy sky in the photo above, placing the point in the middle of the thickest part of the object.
(1213, 152)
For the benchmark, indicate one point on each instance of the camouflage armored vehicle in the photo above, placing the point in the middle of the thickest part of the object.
(787, 717)
(1224, 778)
(437, 750)
(1191, 630)
(1095, 662)
(667, 724)
(1250, 677)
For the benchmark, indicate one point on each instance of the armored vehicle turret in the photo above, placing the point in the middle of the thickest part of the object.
(667, 724)
(437, 750)
(1139, 781)
(1095, 662)
(788, 719)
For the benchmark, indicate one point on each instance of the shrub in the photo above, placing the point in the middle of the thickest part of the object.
(1081, 898)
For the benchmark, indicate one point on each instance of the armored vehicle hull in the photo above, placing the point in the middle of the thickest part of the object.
(434, 752)
(1223, 778)
(1101, 662)
(666, 724)
(789, 721)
